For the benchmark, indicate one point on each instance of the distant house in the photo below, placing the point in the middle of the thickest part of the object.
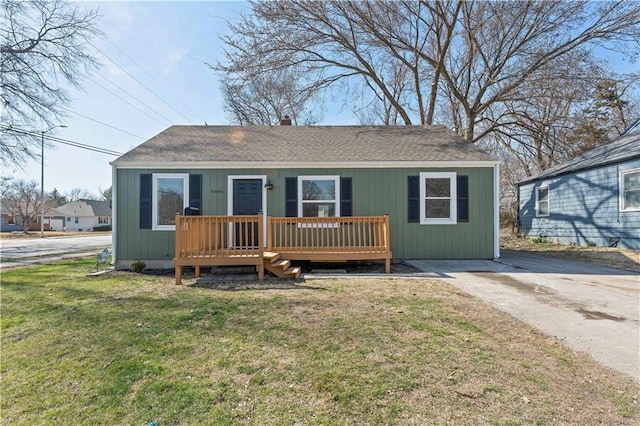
(593, 198)
(438, 190)
(81, 215)
(8, 221)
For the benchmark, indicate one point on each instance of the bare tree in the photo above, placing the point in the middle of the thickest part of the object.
(551, 124)
(22, 199)
(44, 44)
(328, 44)
(80, 194)
(557, 120)
(265, 98)
(461, 60)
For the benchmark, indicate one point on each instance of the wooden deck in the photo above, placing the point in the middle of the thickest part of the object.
(241, 240)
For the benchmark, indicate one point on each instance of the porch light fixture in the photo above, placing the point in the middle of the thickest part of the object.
(268, 185)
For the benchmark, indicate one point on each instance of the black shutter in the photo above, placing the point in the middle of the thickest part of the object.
(195, 192)
(346, 197)
(146, 188)
(291, 196)
(413, 198)
(463, 198)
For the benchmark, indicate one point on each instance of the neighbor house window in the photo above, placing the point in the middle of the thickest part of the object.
(438, 198)
(542, 201)
(318, 196)
(630, 190)
(76, 219)
(169, 197)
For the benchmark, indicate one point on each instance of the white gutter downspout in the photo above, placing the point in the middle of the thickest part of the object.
(114, 212)
(496, 211)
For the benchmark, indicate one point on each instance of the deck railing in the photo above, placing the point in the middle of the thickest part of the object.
(219, 236)
(353, 234)
(241, 240)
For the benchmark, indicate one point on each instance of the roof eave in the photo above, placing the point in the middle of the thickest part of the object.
(285, 165)
(544, 176)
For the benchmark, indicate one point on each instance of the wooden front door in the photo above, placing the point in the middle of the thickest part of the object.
(247, 200)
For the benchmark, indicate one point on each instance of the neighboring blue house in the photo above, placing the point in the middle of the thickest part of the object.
(591, 199)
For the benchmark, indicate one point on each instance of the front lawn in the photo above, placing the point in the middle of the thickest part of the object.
(130, 349)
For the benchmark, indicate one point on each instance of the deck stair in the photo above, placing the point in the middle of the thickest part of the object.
(241, 240)
(280, 267)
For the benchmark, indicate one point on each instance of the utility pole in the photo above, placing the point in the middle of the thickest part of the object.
(42, 203)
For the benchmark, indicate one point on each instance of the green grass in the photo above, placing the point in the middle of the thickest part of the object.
(130, 349)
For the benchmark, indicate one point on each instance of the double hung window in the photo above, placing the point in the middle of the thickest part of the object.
(319, 196)
(630, 190)
(542, 201)
(169, 197)
(438, 198)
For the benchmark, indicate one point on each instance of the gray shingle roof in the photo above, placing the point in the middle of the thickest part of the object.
(626, 147)
(84, 208)
(304, 144)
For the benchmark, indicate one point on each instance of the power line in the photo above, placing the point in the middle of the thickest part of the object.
(129, 103)
(83, 146)
(153, 78)
(140, 83)
(62, 141)
(103, 123)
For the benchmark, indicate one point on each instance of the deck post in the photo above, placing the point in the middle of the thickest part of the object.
(261, 234)
(260, 269)
(260, 266)
(178, 275)
(387, 244)
(178, 238)
(269, 235)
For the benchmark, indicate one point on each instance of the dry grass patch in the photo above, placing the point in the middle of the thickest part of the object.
(128, 349)
(607, 256)
(36, 234)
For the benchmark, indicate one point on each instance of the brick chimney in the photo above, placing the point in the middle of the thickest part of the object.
(286, 121)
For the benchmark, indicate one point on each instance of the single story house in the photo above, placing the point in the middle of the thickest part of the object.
(439, 191)
(8, 221)
(81, 215)
(593, 198)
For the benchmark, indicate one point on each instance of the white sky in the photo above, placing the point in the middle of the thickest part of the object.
(170, 40)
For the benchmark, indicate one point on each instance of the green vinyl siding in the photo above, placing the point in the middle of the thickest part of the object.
(375, 192)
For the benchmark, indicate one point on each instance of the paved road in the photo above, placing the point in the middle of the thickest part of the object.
(588, 307)
(40, 250)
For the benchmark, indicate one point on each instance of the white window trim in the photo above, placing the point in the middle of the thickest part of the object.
(621, 191)
(538, 214)
(154, 198)
(334, 178)
(453, 196)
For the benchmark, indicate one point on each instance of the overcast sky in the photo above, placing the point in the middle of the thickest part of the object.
(170, 41)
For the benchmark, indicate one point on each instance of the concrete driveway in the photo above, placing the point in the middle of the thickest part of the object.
(589, 308)
(41, 250)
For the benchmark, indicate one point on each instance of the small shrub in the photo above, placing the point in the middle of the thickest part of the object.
(539, 240)
(591, 243)
(508, 218)
(102, 228)
(138, 266)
